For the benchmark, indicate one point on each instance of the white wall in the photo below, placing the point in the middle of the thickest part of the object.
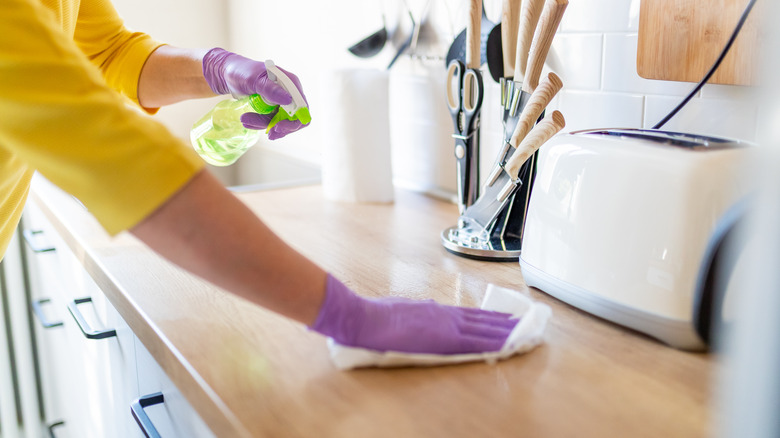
(179, 23)
(597, 46)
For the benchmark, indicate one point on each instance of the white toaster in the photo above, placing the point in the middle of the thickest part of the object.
(628, 225)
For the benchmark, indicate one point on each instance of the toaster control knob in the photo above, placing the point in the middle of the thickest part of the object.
(460, 151)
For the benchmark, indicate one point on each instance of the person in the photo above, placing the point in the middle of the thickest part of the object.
(65, 66)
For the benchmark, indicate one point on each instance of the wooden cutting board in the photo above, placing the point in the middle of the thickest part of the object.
(679, 40)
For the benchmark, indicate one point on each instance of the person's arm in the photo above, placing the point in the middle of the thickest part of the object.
(172, 74)
(208, 231)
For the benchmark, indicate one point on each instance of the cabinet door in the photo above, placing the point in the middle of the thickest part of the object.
(44, 280)
(105, 352)
(170, 415)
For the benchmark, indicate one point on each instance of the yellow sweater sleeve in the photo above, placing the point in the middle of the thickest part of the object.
(60, 118)
(119, 53)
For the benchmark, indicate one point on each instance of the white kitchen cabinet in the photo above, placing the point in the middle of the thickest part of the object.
(48, 302)
(170, 415)
(86, 351)
(19, 401)
(105, 351)
(92, 367)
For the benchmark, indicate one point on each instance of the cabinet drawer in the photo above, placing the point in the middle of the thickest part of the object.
(174, 416)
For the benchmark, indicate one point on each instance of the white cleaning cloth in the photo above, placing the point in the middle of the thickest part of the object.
(524, 337)
(356, 160)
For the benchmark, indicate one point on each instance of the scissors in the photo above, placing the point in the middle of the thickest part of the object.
(464, 98)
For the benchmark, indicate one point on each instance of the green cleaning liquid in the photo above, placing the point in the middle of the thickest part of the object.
(220, 138)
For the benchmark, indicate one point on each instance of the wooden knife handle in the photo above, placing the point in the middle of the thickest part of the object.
(474, 35)
(548, 25)
(529, 17)
(509, 23)
(542, 132)
(539, 100)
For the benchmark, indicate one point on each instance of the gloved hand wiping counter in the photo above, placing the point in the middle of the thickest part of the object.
(391, 332)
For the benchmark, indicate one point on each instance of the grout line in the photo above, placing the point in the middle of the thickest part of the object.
(603, 60)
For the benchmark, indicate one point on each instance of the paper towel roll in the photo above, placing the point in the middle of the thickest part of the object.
(423, 151)
(356, 164)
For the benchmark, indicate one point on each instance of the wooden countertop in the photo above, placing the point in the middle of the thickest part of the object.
(251, 373)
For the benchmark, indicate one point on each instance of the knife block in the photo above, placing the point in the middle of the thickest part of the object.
(503, 239)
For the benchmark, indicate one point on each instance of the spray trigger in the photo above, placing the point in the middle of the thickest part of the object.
(295, 110)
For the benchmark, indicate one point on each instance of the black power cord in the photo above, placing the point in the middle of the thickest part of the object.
(712, 69)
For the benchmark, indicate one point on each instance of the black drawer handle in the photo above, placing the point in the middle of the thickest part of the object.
(84, 325)
(38, 311)
(52, 426)
(29, 237)
(143, 420)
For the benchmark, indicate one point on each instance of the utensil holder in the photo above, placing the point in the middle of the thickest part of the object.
(502, 239)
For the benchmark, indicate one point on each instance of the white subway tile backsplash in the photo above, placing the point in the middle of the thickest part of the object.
(590, 110)
(601, 16)
(579, 59)
(718, 117)
(731, 92)
(620, 51)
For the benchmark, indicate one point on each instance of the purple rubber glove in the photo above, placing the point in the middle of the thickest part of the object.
(396, 324)
(229, 73)
(261, 121)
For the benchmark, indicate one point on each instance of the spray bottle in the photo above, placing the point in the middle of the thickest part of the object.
(219, 136)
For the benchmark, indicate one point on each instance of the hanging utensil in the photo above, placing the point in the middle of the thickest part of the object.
(406, 44)
(372, 44)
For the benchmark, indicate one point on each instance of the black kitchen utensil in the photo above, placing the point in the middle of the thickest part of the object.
(457, 49)
(494, 53)
(370, 45)
(500, 50)
(406, 43)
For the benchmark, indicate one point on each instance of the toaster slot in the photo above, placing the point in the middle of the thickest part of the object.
(676, 139)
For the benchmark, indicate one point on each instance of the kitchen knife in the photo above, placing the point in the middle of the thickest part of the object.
(509, 27)
(548, 20)
(510, 91)
(473, 35)
(548, 24)
(543, 131)
(533, 109)
(529, 17)
(495, 197)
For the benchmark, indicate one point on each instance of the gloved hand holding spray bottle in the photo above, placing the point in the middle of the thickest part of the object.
(265, 98)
